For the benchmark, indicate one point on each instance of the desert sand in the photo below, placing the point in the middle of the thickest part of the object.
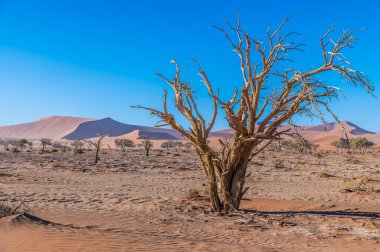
(129, 202)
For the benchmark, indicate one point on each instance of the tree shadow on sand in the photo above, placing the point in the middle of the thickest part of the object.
(320, 213)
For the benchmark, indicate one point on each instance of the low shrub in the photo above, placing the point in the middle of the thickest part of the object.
(193, 193)
(57, 165)
(362, 186)
(357, 188)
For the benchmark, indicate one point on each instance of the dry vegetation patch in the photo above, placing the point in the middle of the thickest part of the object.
(128, 189)
(193, 193)
(7, 209)
(324, 174)
(361, 186)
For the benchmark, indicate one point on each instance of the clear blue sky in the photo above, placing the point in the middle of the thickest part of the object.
(94, 58)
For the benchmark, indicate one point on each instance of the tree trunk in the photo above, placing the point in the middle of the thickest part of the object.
(97, 155)
(226, 177)
(232, 184)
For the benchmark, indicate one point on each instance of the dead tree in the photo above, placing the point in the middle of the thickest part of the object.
(97, 144)
(147, 144)
(64, 146)
(255, 113)
(45, 142)
(178, 145)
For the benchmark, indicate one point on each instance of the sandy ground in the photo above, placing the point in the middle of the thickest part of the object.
(132, 203)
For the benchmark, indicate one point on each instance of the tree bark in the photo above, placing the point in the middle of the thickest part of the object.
(97, 155)
(226, 177)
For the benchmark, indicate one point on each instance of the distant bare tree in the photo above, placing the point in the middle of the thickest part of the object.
(21, 143)
(336, 144)
(45, 142)
(345, 143)
(147, 144)
(124, 143)
(57, 145)
(178, 145)
(270, 96)
(97, 144)
(60, 145)
(64, 147)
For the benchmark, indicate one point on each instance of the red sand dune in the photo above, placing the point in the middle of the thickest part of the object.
(54, 127)
(114, 128)
(72, 128)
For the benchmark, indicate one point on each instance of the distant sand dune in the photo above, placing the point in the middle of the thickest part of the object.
(75, 128)
(54, 127)
(91, 129)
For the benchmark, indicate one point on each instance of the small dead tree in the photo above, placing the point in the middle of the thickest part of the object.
(147, 144)
(64, 146)
(97, 144)
(269, 97)
(336, 144)
(45, 142)
(56, 145)
(178, 145)
(60, 145)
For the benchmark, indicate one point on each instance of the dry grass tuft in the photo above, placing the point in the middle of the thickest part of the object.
(206, 191)
(57, 165)
(193, 193)
(324, 174)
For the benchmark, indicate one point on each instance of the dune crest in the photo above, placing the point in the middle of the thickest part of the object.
(54, 127)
